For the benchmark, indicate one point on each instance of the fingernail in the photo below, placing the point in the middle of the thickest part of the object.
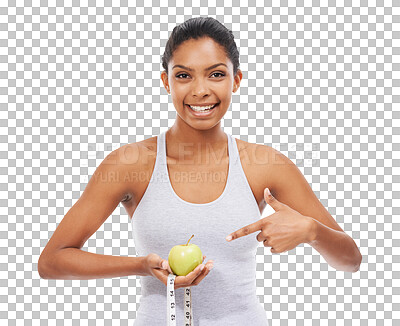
(164, 264)
(268, 192)
(201, 267)
(228, 238)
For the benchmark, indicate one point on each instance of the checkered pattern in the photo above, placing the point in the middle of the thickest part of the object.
(321, 84)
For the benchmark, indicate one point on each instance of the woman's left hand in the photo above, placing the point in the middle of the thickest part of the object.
(283, 230)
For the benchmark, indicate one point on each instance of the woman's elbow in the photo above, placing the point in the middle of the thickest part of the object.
(358, 264)
(42, 268)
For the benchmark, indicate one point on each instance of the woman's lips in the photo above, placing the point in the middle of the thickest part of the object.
(202, 114)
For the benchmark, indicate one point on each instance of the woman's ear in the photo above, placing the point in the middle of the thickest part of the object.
(164, 79)
(237, 79)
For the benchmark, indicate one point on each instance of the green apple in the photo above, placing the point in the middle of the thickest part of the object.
(184, 258)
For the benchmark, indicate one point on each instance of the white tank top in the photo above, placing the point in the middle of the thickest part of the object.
(162, 220)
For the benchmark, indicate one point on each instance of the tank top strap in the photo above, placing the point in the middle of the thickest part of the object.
(233, 153)
(161, 149)
(159, 176)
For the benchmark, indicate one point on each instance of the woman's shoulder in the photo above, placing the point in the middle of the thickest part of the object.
(123, 166)
(255, 154)
(135, 154)
(265, 163)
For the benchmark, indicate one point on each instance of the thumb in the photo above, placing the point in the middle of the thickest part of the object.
(271, 200)
(156, 261)
(163, 264)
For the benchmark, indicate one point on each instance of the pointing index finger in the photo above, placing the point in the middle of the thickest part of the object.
(246, 230)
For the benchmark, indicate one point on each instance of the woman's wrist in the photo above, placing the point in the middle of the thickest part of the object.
(312, 230)
(145, 264)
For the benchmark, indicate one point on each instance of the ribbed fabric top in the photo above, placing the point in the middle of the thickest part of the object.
(162, 220)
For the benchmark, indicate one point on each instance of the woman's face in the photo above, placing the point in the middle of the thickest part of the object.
(200, 73)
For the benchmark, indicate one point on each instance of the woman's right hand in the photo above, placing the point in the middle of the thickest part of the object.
(160, 269)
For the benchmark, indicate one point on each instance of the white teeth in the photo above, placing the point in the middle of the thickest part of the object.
(201, 108)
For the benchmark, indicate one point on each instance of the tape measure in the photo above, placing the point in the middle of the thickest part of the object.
(171, 305)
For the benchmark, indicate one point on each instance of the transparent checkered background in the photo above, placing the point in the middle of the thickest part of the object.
(321, 84)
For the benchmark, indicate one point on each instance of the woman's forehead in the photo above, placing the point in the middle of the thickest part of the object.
(202, 44)
(199, 54)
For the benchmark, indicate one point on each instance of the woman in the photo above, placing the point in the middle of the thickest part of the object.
(196, 179)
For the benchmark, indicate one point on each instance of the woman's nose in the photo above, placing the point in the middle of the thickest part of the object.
(200, 89)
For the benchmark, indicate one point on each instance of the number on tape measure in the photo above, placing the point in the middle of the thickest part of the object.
(188, 314)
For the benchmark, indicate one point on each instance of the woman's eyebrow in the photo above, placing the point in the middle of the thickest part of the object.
(209, 68)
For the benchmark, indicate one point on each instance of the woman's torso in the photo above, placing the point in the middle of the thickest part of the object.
(185, 201)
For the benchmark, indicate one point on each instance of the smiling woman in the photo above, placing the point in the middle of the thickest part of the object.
(175, 197)
(201, 70)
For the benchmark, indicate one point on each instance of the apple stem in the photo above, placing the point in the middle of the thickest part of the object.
(190, 239)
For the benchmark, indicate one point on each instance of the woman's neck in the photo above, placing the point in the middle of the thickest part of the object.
(185, 142)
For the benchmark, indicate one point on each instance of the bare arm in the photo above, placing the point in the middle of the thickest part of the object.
(76, 264)
(290, 187)
(338, 248)
(62, 258)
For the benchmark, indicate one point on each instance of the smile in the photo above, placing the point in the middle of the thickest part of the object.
(202, 108)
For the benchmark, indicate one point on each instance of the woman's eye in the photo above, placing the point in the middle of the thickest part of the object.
(218, 73)
(215, 73)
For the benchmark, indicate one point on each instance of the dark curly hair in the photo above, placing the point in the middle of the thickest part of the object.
(198, 27)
